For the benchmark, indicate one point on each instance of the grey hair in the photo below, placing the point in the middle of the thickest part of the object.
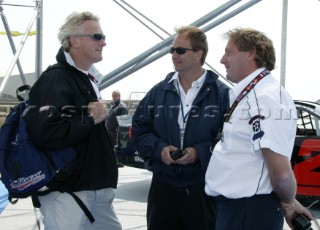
(117, 92)
(72, 25)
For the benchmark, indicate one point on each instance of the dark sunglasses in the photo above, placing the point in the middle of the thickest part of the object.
(180, 50)
(97, 37)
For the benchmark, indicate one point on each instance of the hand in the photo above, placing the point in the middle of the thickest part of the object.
(165, 154)
(98, 111)
(290, 211)
(190, 156)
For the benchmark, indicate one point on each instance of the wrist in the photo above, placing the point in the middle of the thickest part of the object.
(286, 205)
(288, 208)
(95, 117)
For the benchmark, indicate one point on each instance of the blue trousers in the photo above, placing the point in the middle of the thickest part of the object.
(259, 212)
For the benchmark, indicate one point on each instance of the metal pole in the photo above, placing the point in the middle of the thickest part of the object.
(140, 61)
(145, 58)
(284, 43)
(13, 48)
(9, 71)
(38, 64)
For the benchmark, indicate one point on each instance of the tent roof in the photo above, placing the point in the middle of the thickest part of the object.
(14, 81)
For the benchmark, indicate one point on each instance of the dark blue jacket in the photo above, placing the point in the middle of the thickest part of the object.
(155, 125)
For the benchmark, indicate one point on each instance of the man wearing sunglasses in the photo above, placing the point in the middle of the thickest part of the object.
(173, 129)
(68, 112)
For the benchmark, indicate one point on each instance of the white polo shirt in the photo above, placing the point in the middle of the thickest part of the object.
(264, 118)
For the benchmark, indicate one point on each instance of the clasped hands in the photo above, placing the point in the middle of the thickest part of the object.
(190, 156)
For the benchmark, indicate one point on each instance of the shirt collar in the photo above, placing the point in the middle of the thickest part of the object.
(237, 89)
(198, 82)
(92, 70)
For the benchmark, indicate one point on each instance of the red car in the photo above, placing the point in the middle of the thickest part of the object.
(306, 153)
(305, 157)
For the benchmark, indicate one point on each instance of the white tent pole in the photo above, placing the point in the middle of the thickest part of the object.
(284, 43)
(16, 56)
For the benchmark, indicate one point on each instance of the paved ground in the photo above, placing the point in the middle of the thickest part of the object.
(130, 204)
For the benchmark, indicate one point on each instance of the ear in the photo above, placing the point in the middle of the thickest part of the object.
(252, 55)
(74, 41)
(199, 54)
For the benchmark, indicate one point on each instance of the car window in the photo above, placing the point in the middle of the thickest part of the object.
(307, 123)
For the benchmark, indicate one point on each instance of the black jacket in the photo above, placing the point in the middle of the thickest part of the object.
(59, 118)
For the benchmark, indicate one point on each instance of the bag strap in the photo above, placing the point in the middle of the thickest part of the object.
(83, 207)
(36, 204)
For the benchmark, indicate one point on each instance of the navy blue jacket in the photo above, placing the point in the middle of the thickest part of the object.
(155, 125)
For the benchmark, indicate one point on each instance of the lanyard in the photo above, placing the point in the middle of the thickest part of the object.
(184, 119)
(184, 116)
(244, 92)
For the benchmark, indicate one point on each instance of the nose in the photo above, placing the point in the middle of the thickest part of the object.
(223, 59)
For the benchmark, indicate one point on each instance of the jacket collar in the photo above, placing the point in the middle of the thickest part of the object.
(66, 59)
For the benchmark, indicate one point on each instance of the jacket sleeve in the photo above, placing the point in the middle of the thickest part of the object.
(147, 142)
(58, 115)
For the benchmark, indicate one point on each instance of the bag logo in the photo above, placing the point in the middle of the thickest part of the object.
(25, 182)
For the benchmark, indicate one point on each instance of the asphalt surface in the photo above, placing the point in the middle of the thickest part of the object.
(130, 205)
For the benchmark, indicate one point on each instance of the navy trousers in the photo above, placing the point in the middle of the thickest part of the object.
(259, 212)
(179, 208)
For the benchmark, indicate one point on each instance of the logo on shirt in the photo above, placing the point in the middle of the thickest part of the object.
(255, 123)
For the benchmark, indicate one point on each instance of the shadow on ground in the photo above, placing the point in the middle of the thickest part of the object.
(138, 191)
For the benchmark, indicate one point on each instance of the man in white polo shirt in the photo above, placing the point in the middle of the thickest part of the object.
(249, 173)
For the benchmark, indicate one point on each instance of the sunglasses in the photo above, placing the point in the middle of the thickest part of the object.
(180, 50)
(97, 37)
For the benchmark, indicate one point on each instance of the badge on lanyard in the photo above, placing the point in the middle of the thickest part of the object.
(182, 130)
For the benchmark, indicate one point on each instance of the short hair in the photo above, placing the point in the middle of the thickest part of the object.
(247, 39)
(198, 39)
(117, 92)
(72, 25)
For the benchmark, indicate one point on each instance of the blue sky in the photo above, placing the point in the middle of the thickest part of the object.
(127, 38)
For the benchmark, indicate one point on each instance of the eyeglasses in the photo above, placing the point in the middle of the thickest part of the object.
(97, 37)
(180, 50)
